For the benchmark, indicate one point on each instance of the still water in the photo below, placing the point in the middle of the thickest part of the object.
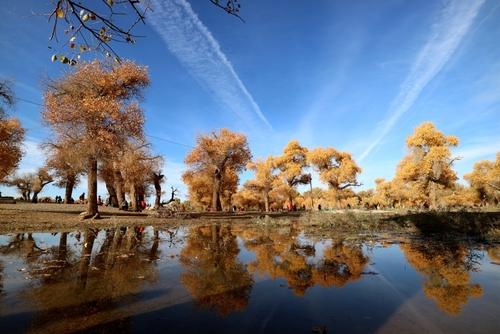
(224, 278)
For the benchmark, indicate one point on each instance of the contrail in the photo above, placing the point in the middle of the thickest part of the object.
(200, 53)
(454, 21)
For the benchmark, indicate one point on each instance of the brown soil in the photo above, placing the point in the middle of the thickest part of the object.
(28, 217)
(42, 217)
(47, 217)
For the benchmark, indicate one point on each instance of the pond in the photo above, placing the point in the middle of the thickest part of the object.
(239, 278)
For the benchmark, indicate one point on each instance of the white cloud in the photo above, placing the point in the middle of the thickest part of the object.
(477, 151)
(455, 20)
(200, 53)
(33, 158)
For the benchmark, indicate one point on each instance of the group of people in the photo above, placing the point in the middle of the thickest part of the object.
(124, 205)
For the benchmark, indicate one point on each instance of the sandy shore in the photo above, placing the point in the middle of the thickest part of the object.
(27, 216)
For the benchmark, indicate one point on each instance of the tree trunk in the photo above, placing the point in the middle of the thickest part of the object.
(158, 192)
(68, 193)
(216, 204)
(34, 199)
(63, 242)
(133, 198)
(153, 253)
(266, 201)
(92, 208)
(120, 196)
(290, 202)
(112, 195)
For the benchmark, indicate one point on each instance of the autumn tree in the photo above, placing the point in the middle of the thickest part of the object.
(312, 198)
(96, 109)
(264, 178)
(282, 193)
(382, 197)
(485, 180)
(427, 168)
(291, 165)
(30, 185)
(200, 185)
(335, 168)
(23, 183)
(118, 182)
(66, 166)
(137, 165)
(215, 156)
(40, 179)
(11, 134)
(247, 197)
(458, 197)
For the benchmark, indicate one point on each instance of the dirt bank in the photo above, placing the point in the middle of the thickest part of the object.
(28, 217)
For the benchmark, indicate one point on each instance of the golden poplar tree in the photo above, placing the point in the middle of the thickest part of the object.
(427, 168)
(264, 178)
(485, 180)
(95, 108)
(337, 169)
(136, 166)
(11, 134)
(217, 157)
(66, 168)
(292, 164)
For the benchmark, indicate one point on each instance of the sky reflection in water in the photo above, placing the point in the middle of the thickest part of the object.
(223, 278)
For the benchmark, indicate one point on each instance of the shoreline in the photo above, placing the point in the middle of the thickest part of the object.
(26, 217)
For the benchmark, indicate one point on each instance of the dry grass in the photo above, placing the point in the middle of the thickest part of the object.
(53, 217)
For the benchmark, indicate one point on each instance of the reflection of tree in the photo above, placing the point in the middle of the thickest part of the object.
(446, 268)
(92, 285)
(1, 279)
(85, 257)
(341, 264)
(279, 254)
(494, 253)
(22, 245)
(214, 276)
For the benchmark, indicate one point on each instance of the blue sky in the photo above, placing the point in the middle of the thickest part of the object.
(355, 75)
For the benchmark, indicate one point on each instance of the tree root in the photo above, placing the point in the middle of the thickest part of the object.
(85, 215)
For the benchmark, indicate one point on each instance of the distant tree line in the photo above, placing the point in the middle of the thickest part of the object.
(98, 132)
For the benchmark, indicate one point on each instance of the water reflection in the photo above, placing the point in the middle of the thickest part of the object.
(494, 253)
(283, 253)
(22, 245)
(446, 267)
(91, 279)
(111, 269)
(213, 274)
